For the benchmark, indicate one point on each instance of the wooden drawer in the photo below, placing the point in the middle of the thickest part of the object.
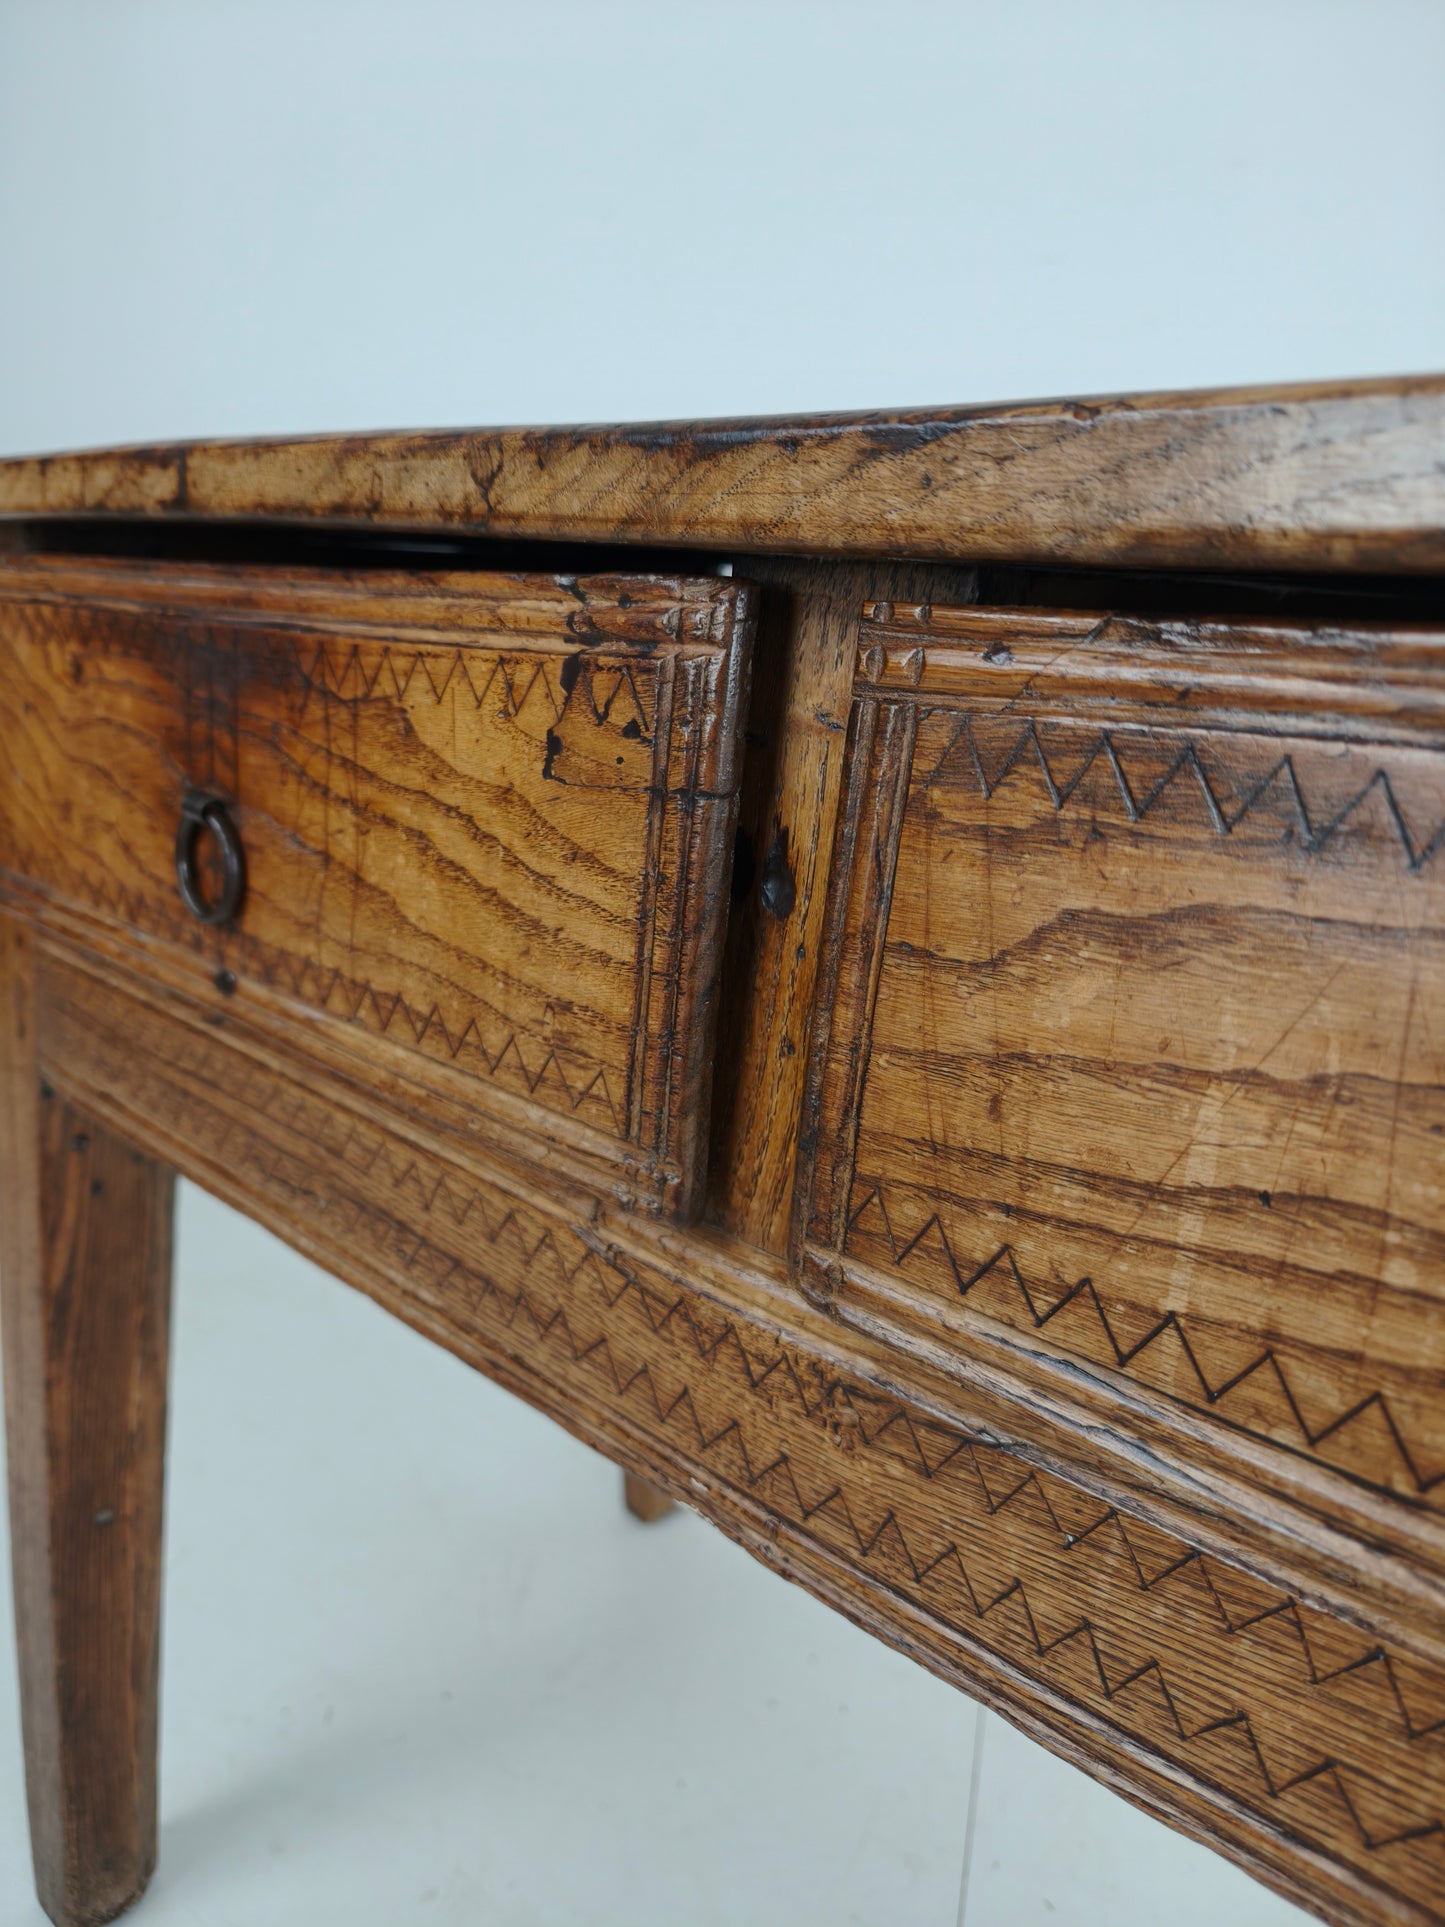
(1130, 1084)
(486, 818)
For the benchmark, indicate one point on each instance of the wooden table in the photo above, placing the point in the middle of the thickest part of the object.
(886, 971)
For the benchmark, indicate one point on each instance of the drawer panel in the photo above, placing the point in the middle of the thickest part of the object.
(1133, 1056)
(485, 817)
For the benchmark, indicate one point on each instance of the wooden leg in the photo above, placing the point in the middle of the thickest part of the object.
(85, 1260)
(644, 1501)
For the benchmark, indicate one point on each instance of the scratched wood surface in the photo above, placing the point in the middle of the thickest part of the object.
(1339, 475)
(484, 817)
(1309, 1744)
(1135, 1048)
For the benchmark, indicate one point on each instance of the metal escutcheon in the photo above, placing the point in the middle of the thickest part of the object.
(202, 811)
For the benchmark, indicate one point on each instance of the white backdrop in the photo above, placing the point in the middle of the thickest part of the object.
(289, 215)
(418, 1667)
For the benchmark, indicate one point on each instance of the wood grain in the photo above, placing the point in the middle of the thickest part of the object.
(1330, 476)
(1305, 1744)
(488, 817)
(791, 789)
(1132, 1046)
(85, 1259)
(1078, 1021)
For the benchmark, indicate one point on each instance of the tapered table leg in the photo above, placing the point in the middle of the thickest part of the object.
(85, 1260)
(644, 1501)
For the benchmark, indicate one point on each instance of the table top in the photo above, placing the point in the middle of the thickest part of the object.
(1336, 476)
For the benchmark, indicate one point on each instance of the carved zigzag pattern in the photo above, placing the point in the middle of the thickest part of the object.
(388, 1013)
(1002, 1263)
(579, 1085)
(356, 672)
(369, 1154)
(529, 1250)
(773, 1477)
(1188, 766)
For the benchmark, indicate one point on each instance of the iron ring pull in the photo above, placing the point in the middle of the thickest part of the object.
(202, 811)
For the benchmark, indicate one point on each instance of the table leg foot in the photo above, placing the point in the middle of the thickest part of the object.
(645, 1501)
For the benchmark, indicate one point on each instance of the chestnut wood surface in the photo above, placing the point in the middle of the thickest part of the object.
(486, 817)
(1310, 1745)
(788, 809)
(1338, 475)
(85, 1274)
(1134, 943)
(1002, 1189)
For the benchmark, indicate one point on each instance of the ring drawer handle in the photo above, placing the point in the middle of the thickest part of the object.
(202, 811)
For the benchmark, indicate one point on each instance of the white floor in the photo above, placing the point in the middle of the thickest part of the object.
(422, 1668)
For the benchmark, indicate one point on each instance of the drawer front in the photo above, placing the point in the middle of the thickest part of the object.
(1133, 1057)
(486, 818)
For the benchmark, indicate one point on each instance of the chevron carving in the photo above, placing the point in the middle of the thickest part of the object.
(1115, 751)
(1035, 1307)
(573, 1084)
(1314, 1724)
(517, 686)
